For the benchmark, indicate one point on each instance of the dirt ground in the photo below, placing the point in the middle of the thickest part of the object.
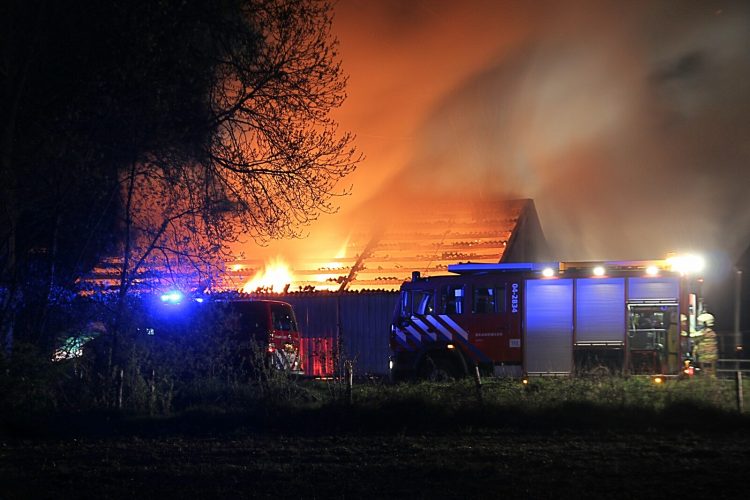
(498, 463)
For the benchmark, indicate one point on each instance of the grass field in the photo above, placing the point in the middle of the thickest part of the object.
(608, 438)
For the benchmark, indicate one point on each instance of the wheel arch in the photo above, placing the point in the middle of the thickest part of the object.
(442, 350)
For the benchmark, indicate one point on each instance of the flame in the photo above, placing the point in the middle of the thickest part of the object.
(332, 270)
(339, 255)
(342, 251)
(274, 276)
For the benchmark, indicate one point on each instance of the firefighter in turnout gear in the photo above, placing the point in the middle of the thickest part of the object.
(706, 346)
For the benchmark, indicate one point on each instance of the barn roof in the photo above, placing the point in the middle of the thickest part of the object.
(421, 233)
(427, 237)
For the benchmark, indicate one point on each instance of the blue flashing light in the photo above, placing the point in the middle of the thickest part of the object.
(173, 297)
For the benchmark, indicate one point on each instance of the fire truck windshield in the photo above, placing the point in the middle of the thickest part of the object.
(416, 302)
(283, 318)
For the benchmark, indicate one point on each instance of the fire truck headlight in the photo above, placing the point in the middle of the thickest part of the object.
(652, 270)
(599, 271)
(548, 272)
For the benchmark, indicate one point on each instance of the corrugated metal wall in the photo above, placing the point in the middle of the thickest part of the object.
(362, 319)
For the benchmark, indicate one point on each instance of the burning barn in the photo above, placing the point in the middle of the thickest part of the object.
(421, 236)
(344, 302)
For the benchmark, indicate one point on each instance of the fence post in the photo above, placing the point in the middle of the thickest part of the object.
(740, 402)
(349, 374)
(478, 383)
(119, 390)
(152, 393)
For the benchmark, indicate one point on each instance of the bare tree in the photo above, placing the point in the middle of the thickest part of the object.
(274, 157)
(277, 155)
(272, 162)
(210, 120)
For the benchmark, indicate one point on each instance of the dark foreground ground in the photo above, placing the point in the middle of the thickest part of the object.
(495, 463)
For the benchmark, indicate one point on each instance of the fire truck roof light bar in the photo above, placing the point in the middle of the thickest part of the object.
(632, 265)
(470, 267)
(650, 267)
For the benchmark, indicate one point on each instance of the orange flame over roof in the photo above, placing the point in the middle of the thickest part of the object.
(274, 276)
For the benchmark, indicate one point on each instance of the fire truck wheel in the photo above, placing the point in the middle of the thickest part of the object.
(436, 368)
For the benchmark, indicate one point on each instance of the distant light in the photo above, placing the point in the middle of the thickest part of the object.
(652, 270)
(599, 271)
(658, 380)
(199, 300)
(525, 381)
(173, 297)
(687, 264)
(450, 346)
(548, 272)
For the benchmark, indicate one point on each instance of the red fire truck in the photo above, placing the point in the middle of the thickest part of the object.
(524, 319)
(248, 323)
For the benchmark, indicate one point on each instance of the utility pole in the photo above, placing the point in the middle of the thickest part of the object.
(737, 306)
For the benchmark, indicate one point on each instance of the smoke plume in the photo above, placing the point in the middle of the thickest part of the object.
(626, 122)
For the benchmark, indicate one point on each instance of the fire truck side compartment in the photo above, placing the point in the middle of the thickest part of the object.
(600, 312)
(662, 341)
(666, 289)
(549, 327)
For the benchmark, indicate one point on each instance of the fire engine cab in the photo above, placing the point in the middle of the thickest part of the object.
(246, 323)
(519, 319)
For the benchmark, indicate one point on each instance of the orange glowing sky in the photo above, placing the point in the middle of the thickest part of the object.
(626, 122)
(403, 58)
